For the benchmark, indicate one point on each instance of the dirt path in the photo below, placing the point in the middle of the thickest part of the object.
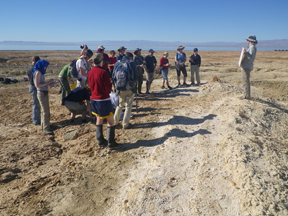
(191, 151)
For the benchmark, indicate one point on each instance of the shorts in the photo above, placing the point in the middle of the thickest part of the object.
(75, 107)
(164, 73)
(103, 109)
(149, 77)
(179, 69)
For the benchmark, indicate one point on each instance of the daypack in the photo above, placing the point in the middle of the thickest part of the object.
(122, 75)
(73, 69)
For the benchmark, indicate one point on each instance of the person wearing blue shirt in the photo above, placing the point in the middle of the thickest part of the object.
(180, 59)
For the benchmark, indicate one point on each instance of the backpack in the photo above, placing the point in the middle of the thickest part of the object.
(122, 75)
(73, 69)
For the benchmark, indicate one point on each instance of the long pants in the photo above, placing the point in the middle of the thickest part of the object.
(36, 105)
(45, 111)
(125, 98)
(65, 88)
(140, 81)
(245, 76)
(195, 70)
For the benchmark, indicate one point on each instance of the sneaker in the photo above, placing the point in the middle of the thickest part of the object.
(185, 84)
(178, 85)
(163, 87)
(170, 87)
(147, 92)
(192, 84)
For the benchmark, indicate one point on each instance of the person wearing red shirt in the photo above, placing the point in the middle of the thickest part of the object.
(112, 61)
(106, 59)
(101, 106)
(164, 63)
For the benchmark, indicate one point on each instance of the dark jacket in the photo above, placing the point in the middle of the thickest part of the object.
(196, 60)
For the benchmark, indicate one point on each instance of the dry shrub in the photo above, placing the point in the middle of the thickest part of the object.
(215, 79)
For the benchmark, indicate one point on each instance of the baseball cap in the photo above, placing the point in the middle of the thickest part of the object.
(151, 51)
(195, 50)
(98, 58)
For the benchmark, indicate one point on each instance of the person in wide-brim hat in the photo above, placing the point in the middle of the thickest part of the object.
(247, 64)
(121, 51)
(136, 51)
(180, 48)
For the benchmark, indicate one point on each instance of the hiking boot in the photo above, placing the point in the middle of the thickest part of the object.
(163, 87)
(185, 84)
(147, 92)
(111, 138)
(99, 136)
(170, 87)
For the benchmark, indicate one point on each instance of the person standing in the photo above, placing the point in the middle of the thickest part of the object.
(126, 97)
(101, 106)
(64, 75)
(151, 63)
(42, 93)
(83, 67)
(33, 92)
(140, 65)
(164, 63)
(121, 51)
(112, 62)
(247, 64)
(195, 61)
(106, 59)
(180, 59)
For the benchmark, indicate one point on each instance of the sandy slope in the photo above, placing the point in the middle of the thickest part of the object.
(191, 151)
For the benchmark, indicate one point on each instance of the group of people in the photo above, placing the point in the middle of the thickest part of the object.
(97, 77)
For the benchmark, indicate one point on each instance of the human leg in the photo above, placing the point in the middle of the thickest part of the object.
(184, 75)
(140, 82)
(36, 106)
(128, 109)
(119, 108)
(245, 75)
(45, 113)
(197, 75)
(192, 74)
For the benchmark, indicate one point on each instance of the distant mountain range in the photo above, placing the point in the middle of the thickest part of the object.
(264, 43)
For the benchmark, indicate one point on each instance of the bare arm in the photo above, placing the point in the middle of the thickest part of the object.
(37, 80)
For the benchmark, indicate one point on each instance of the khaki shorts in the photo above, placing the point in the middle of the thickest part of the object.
(149, 77)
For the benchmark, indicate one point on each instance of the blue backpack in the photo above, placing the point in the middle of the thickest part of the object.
(122, 75)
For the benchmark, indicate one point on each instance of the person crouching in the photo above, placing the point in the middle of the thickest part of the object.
(101, 106)
(75, 103)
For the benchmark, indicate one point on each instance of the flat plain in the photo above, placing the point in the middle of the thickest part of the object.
(190, 151)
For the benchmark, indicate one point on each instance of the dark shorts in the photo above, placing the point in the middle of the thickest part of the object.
(183, 69)
(103, 109)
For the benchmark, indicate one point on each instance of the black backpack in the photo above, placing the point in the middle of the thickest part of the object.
(73, 69)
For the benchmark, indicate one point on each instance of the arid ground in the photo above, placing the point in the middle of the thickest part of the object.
(191, 150)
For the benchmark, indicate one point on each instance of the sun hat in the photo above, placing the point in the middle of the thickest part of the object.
(121, 48)
(166, 54)
(136, 50)
(99, 50)
(195, 50)
(151, 51)
(252, 38)
(101, 47)
(98, 58)
(180, 47)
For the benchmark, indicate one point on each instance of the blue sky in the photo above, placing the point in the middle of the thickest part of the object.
(156, 20)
